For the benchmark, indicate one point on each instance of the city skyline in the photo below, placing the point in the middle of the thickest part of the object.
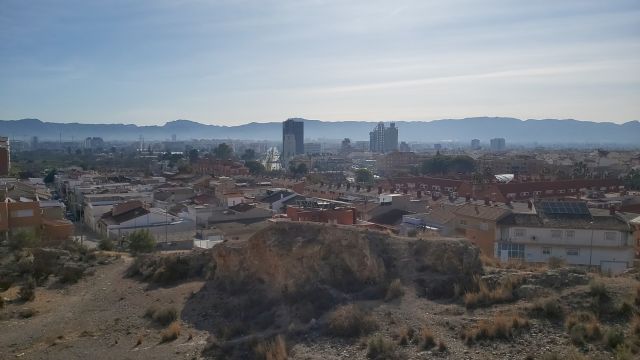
(231, 63)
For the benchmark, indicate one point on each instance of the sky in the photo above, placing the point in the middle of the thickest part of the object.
(233, 62)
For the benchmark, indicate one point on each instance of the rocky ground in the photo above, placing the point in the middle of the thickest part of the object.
(275, 295)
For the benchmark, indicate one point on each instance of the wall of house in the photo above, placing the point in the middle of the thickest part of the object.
(585, 254)
(580, 237)
(24, 214)
(480, 232)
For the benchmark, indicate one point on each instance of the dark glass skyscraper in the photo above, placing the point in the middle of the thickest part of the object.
(292, 138)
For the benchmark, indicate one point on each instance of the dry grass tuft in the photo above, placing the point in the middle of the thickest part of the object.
(406, 335)
(394, 291)
(171, 332)
(162, 316)
(549, 308)
(583, 327)
(139, 341)
(486, 297)
(500, 327)
(426, 339)
(442, 347)
(350, 321)
(380, 348)
(275, 349)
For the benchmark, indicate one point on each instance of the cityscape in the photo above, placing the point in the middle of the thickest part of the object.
(340, 192)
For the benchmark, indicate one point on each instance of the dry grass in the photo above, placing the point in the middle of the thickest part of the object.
(426, 338)
(406, 335)
(350, 321)
(162, 316)
(598, 289)
(583, 327)
(171, 332)
(499, 327)
(394, 291)
(139, 340)
(28, 290)
(555, 262)
(442, 347)
(381, 348)
(486, 297)
(275, 349)
(549, 308)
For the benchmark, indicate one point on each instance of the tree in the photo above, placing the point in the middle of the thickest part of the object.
(249, 154)
(298, 170)
(193, 156)
(255, 167)
(223, 151)
(78, 152)
(632, 180)
(141, 241)
(51, 176)
(364, 176)
(436, 165)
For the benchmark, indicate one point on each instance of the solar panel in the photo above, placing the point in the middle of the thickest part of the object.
(564, 208)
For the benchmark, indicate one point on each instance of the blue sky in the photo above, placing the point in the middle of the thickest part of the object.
(232, 62)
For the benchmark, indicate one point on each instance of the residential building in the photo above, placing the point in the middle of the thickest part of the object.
(391, 138)
(292, 138)
(475, 144)
(383, 139)
(313, 148)
(498, 144)
(5, 156)
(404, 147)
(323, 211)
(568, 230)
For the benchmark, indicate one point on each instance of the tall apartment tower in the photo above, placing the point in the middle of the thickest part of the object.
(475, 144)
(391, 138)
(5, 156)
(498, 144)
(292, 138)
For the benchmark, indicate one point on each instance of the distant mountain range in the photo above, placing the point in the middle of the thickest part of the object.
(484, 128)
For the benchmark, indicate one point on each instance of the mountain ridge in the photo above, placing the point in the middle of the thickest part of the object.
(483, 128)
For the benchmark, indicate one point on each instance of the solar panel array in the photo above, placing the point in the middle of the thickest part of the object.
(564, 208)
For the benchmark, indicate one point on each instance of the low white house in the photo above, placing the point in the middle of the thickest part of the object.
(569, 231)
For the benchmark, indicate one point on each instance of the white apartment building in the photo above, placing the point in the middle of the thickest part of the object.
(569, 231)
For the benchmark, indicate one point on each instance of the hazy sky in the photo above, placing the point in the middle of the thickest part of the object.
(231, 62)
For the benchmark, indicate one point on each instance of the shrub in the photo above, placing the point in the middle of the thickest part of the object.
(625, 308)
(23, 239)
(486, 297)
(381, 348)
(171, 332)
(635, 325)
(427, 341)
(141, 241)
(623, 352)
(637, 300)
(1, 302)
(598, 289)
(28, 290)
(549, 308)
(394, 291)
(555, 262)
(350, 321)
(614, 337)
(163, 316)
(27, 313)
(271, 350)
(106, 244)
(442, 347)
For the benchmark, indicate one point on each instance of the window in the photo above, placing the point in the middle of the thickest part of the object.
(556, 234)
(570, 234)
(483, 226)
(519, 232)
(572, 190)
(525, 193)
(463, 222)
(537, 192)
(515, 251)
(22, 213)
(560, 191)
(573, 251)
(610, 236)
(546, 250)
(548, 192)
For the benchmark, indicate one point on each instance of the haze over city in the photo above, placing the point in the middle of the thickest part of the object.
(228, 63)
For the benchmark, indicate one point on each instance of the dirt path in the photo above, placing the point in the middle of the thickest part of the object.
(101, 317)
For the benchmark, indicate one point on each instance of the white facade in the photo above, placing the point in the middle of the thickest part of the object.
(611, 250)
(162, 226)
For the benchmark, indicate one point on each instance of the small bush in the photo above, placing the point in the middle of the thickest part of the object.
(28, 290)
(625, 308)
(598, 289)
(394, 291)
(623, 352)
(171, 332)
(1, 302)
(426, 339)
(442, 347)
(23, 239)
(106, 245)
(162, 316)
(271, 350)
(549, 308)
(635, 325)
(614, 337)
(350, 321)
(381, 348)
(141, 241)
(27, 313)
